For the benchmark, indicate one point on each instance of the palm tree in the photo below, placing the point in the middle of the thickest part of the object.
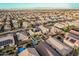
(2, 28)
(20, 22)
(11, 24)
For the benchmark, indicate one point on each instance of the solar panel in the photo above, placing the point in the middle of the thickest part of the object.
(6, 42)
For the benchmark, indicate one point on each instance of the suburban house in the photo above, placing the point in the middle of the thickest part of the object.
(6, 40)
(60, 47)
(29, 52)
(72, 38)
(45, 50)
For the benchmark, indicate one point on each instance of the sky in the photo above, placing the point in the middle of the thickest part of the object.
(38, 5)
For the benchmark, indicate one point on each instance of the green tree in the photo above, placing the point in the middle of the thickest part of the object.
(68, 28)
(76, 51)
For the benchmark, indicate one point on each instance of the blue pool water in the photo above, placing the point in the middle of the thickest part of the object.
(20, 49)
